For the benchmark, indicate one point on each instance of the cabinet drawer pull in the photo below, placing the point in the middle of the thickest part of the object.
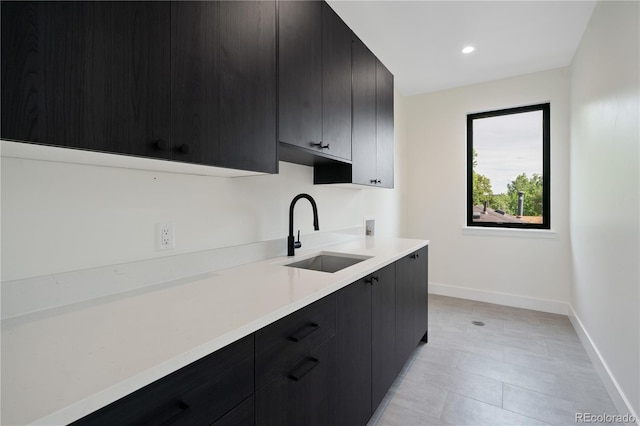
(175, 413)
(375, 181)
(415, 256)
(304, 332)
(320, 145)
(373, 278)
(161, 145)
(308, 365)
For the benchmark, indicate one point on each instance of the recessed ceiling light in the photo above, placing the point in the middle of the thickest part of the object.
(468, 49)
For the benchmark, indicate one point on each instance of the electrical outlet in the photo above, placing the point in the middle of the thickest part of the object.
(370, 226)
(165, 237)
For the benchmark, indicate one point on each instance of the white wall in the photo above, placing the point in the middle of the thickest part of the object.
(517, 270)
(59, 217)
(605, 191)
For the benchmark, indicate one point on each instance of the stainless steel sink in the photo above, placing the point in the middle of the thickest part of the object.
(328, 262)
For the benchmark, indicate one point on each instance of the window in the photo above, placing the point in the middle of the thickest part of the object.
(508, 168)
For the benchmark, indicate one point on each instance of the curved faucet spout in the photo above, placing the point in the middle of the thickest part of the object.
(291, 244)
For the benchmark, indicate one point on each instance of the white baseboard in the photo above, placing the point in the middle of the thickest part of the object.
(505, 299)
(618, 397)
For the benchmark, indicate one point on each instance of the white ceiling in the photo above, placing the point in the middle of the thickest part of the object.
(421, 41)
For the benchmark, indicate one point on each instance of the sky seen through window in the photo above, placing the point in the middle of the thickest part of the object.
(508, 146)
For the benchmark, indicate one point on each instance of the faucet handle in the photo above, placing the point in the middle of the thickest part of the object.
(297, 244)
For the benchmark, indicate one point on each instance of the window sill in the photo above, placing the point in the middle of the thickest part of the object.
(509, 232)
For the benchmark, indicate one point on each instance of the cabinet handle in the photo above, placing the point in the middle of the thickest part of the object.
(304, 332)
(304, 369)
(319, 145)
(185, 149)
(376, 181)
(415, 256)
(373, 278)
(161, 145)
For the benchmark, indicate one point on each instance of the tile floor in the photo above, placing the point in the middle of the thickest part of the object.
(522, 367)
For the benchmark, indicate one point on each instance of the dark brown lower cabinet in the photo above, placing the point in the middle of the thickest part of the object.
(404, 312)
(366, 333)
(411, 304)
(286, 341)
(353, 335)
(198, 394)
(302, 394)
(383, 334)
(421, 288)
(380, 321)
(243, 415)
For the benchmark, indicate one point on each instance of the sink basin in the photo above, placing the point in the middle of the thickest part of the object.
(328, 262)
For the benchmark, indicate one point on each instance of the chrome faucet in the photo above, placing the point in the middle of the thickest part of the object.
(291, 244)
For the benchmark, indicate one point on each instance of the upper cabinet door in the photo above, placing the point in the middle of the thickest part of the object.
(194, 84)
(92, 75)
(224, 84)
(364, 115)
(247, 103)
(336, 87)
(128, 73)
(300, 73)
(384, 125)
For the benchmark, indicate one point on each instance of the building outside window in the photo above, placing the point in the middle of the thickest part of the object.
(508, 168)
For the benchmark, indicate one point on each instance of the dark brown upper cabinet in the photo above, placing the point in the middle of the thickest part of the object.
(372, 126)
(314, 83)
(336, 84)
(90, 75)
(188, 81)
(384, 126)
(223, 84)
(300, 73)
(364, 115)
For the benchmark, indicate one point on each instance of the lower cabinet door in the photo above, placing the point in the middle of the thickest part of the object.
(405, 304)
(286, 341)
(383, 334)
(353, 334)
(302, 394)
(198, 394)
(421, 289)
(243, 415)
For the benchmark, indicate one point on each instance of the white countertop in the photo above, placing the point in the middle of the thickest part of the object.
(64, 363)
